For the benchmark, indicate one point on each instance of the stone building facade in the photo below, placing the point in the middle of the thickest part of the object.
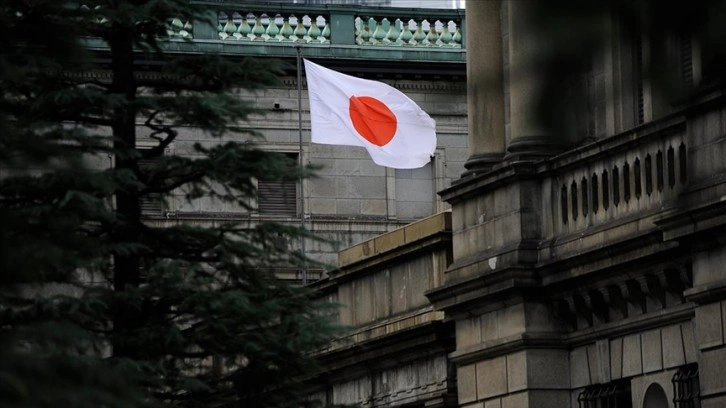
(352, 199)
(582, 270)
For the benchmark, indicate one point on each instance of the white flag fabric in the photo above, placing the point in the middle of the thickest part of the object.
(350, 111)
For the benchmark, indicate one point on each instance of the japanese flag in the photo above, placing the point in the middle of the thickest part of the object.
(350, 111)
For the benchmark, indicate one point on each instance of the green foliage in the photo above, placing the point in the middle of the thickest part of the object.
(98, 307)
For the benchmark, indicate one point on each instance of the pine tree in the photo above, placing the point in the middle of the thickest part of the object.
(97, 307)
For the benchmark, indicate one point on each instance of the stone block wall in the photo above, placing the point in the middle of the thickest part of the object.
(397, 351)
(352, 199)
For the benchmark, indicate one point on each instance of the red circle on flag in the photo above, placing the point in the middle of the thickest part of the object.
(372, 119)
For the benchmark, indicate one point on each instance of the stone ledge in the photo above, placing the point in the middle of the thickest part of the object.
(550, 340)
(414, 343)
(390, 326)
(392, 241)
(711, 292)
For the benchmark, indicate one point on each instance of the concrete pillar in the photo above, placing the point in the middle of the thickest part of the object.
(529, 138)
(484, 79)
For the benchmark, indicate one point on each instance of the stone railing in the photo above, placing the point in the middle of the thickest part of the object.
(180, 29)
(635, 176)
(350, 32)
(408, 32)
(275, 23)
(273, 27)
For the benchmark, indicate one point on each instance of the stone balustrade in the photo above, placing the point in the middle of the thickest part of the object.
(180, 29)
(350, 32)
(327, 25)
(408, 32)
(369, 27)
(287, 28)
(634, 177)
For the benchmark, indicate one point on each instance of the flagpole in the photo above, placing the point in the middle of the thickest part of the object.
(300, 158)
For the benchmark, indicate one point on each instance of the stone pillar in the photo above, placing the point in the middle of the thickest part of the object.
(484, 79)
(528, 138)
(497, 368)
(709, 295)
(341, 21)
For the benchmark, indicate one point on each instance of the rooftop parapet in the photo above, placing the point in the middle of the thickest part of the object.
(325, 31)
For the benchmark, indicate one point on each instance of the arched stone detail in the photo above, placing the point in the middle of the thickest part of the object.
(655, 397)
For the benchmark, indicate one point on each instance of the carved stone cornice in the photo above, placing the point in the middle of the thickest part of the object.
(568, 341)
(394, 349)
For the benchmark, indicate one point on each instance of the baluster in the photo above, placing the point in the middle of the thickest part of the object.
(174, 28)
(432, 37)
(273, 30)
(314, 30)
(682, 162)
(101, 19)
(325, 36)
(456, 39)
(379, 34)
(659, 171)
(358, 24)
(228, 30)
(616, 186)
(648, 174)
(243, 33)
(221, 21)
(407, 33)
(419, 36)
(671, 167)
(265, 20)
(307, 24)
(299, 31)
(446, 36)
(258, 30)
(365, 33)
(188, 30)
(286, 30)
(392, 37)
(636, 175)
(605, 190)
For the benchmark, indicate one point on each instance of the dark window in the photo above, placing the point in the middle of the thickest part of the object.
(638, 183)
(671, 167)
(584, 196)
(612, 395)
(563, 203)
(595, 201)
(616, 186)
(686, 59)
(686, 391)
(626, 182)
(605, 190)
(278, 196)
(573, 194)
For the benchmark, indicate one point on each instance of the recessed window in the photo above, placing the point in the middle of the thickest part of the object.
(611, 395)
(686, 390)
(151, 204)
(278, 196)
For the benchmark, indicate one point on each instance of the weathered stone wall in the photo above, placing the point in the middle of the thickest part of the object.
(397, 351)
(353, 199)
